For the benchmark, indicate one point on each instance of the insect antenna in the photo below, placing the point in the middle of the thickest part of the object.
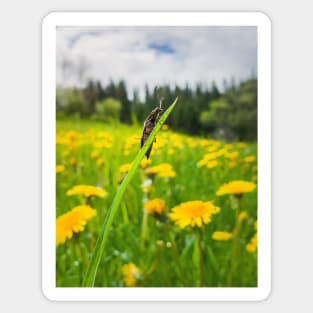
(159, 95)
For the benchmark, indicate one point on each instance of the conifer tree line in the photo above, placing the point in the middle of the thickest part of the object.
(229, 114)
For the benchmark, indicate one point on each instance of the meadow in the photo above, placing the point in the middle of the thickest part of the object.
(187, 219)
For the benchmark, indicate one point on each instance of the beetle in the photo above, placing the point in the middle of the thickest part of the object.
(148, 126)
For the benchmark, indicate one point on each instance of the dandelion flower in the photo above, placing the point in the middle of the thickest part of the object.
(212, 164)
(253, 244)
(167, 174)
(131, 274)
(155, 206)
(145, 162)
(124, 168)
(102, 144)
(232, 155)
(221, 235)
(161, 170)
(202, 162)
(192, 143)
(87, 191)
(236, 187)
(221, 152)
(249, 159)
(176, 141)
(59, 169)
(73, 161)
(73, 221)
(242, 216)
(204, 142)
(165, 127)
(104, 135)
(208, 157)
(163, 167)
(212, 148)
(193, 213)
(95, 154)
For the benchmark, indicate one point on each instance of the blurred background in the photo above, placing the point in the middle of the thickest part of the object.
(110, 74)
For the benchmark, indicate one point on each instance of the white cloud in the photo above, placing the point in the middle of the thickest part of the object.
(201, 54)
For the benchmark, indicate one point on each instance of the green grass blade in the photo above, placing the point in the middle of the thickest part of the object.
(91, 273)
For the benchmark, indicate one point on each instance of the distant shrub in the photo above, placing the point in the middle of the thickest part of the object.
(108, 109)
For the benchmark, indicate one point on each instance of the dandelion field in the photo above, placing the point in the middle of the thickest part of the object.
(188, 217)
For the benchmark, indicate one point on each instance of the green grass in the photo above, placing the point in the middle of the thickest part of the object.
(169, 256)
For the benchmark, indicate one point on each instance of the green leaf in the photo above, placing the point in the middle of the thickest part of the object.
(91, 273)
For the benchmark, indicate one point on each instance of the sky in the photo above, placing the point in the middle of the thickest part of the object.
(155, 55)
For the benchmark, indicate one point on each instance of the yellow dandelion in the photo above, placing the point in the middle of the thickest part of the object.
(73, 161)
(159, 144)
(59, 169)
(204, 142)
(193, 213)
(236, 187)
(221, 235)
(72, 135)
(161, 170)
(155, 206)
(212, 164)
(249, 159)
(202, 162)
(242, 216)
(87, 191)
(212, 148)
(221, 152)
(165, 127)
(167, 174)
(102, 144)
(211, 155)
(231, 155)
(207, 157)
(151, 170)
(145, 162)
(192, 143)
(130, 143)
(104, 135)
(131, 274)
(95, 154)
(72, 222)
(124, 168)
(253, 244)
(59, 140)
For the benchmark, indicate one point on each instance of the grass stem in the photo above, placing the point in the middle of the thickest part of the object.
(200, 258)
(90, 276)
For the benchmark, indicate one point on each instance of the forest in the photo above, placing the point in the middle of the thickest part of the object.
(229, 114)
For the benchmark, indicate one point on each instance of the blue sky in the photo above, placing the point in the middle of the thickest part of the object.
(155, 55)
